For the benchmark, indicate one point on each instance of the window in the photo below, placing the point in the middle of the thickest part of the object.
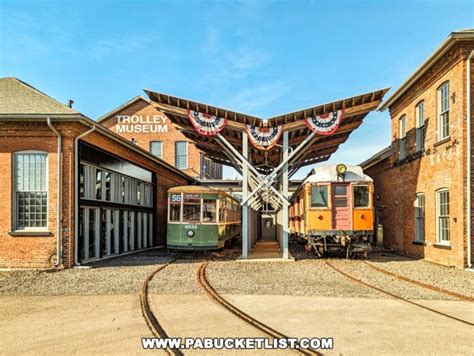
(420, 217)
(181, 154)
(443, 111)
(402, 135)
(319, 196)
(442, 216)
(156, 148)
(420, 126)
(209, 210)
(361, 196)
(98, 184)
(30, 186)
(175, 207)
(340, 195)
(192, 207)
(108, 185)
(222, 210)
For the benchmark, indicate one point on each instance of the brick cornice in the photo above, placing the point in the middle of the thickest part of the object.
(451, 58)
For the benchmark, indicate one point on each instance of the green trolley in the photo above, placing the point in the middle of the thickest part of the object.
(201, 218)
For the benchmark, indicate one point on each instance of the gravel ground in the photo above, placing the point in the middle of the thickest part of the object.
(393, 285)
(305, 277)
(452, 279)
(177, 278)
(124, 275)
(308, 276)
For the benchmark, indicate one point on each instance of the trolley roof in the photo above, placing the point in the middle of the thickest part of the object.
(329, 174)
(321, 148)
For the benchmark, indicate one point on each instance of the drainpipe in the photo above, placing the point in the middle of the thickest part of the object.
(468, 175)
(59, 187)
(76, 195)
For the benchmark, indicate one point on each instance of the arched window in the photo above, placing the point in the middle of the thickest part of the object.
(30, 186)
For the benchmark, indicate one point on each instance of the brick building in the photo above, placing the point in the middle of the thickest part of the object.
(138, 121)
(423, 180)
(73, 191)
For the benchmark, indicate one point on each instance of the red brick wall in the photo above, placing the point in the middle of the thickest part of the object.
(34, 251)
(443, 165)
(26, 251)
(145, 110)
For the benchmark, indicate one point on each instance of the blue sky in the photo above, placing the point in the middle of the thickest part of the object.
(258, 57)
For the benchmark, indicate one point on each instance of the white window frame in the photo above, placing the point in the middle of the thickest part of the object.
(160, 156)
(176, 154)
(420, 217)
(446, 242)
(420, 126)
(402, 133)
(14, 192)
(442, 112)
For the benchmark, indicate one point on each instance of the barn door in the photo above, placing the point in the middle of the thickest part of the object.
(341, 203)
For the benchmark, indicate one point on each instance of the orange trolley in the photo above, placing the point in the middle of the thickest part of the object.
(333, 211)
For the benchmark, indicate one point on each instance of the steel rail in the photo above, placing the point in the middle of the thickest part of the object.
(396, 296)
(216, 297)
(421, 284)
(150, 318)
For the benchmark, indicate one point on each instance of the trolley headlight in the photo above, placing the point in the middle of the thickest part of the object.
(190, 233)
(341, 168)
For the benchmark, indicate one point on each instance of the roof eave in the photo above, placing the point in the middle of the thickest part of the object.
(143, 152)
(122, 107)
(426, 65)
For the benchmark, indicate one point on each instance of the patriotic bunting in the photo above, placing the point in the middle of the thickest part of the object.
(264, 138)
(205, 124)
(325, 124)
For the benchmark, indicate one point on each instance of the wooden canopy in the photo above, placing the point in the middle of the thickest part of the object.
(318, 150)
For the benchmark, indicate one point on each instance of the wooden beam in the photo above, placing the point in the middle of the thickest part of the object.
(352, 111)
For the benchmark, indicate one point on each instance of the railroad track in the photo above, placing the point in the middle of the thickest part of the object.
(150, 318)
(396, 296)
(267, 330)
(421, 284)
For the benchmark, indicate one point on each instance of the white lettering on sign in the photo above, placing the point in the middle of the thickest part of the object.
(141, 124)
(189, 226)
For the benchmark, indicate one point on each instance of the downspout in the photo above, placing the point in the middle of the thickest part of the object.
(58, 194)
(76, 191)
(468, 154)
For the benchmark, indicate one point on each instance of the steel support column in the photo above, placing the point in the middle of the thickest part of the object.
(245, 192)
(285, 204)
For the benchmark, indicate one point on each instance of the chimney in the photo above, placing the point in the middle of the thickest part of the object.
(70, 102)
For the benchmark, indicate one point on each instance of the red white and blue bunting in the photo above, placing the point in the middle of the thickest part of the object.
(205, 124)
(325, 124)
(264, 138)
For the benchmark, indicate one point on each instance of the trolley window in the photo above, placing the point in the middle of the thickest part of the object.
(175, 207)
(209, 210)
(361, 196)
(319, 196)
(222, 210)
(191, 207)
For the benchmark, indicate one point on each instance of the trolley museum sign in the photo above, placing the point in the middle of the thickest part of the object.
(141, 124)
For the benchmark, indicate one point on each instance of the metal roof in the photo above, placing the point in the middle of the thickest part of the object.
(321, 147)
